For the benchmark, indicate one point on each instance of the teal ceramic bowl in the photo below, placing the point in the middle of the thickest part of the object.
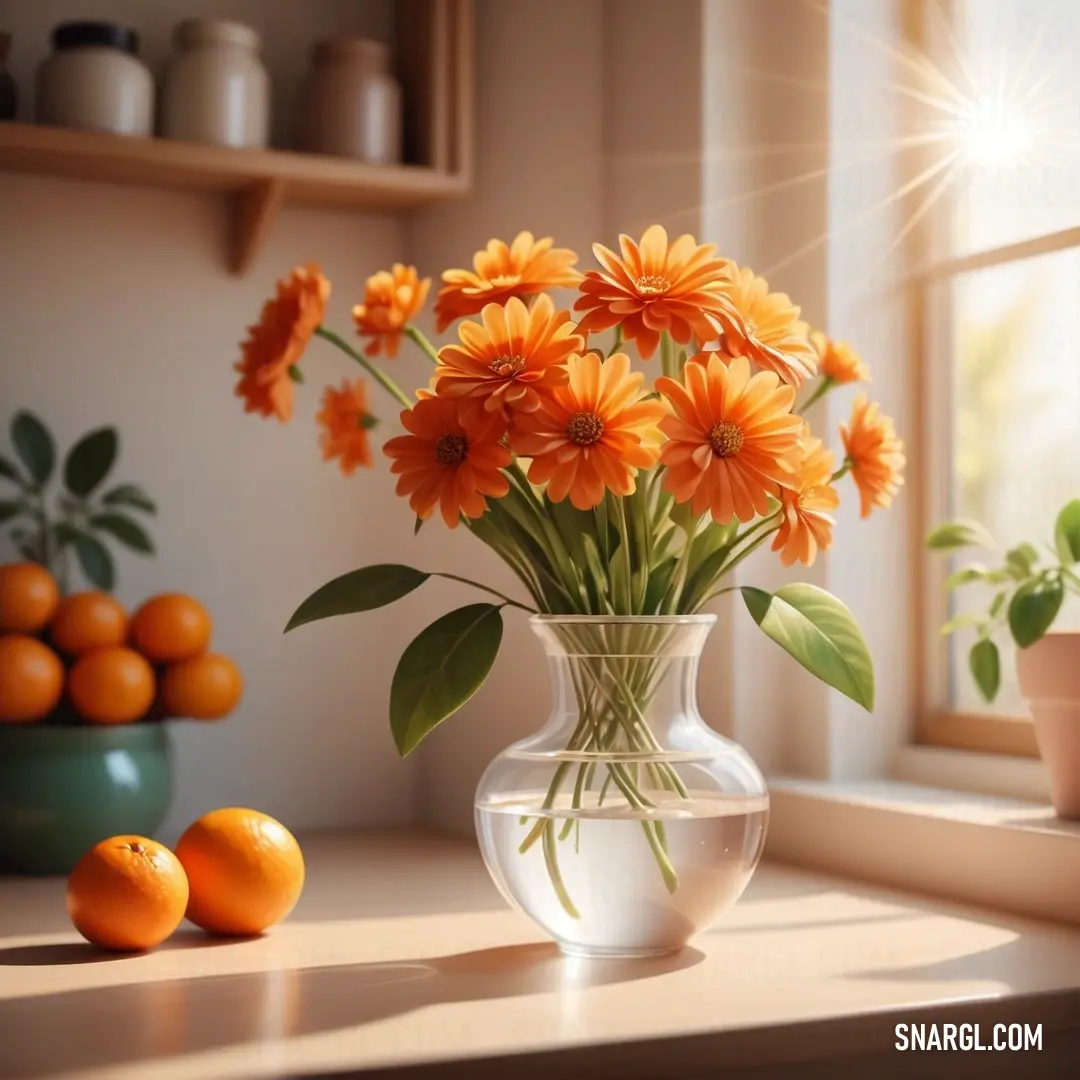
(62, 789)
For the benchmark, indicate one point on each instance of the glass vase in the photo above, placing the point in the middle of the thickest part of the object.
(626, 825)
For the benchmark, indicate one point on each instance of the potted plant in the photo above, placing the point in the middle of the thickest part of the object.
(84, 688)
(1030, 585)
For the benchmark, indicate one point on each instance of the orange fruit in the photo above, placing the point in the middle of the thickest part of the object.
(31, 678)
(245, 871)
(205, 687)
(88, 620)
(171, 627)
(127, 893)
(111, 686)
(28, 597)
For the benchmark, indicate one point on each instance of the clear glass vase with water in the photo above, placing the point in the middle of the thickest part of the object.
(626, 825)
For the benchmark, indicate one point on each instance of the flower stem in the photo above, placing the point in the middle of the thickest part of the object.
(415, 334)
(383, 380)
(485, 588)
(820, 391)
(842, 471)
(617, 344)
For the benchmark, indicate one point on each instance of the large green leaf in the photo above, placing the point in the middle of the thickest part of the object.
(94, 558)
(985, 663)
(1034, 607)
(34, 445)
(954, 535)
(88, 462)
(10, 509)
(130, 495)
(444, 665)
(360, 590)
(1067, 533)
(130, 533)
(820, 632)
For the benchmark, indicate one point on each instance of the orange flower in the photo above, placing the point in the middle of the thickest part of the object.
(733, 443)
(768, 330)
(875, 454)
(806, 527)
(837, 360)
(277, 341)
(654, 287)
(508, 360)
(346, 422)
(392, 298)
(592, 434)
(526, 267)
(449, 460)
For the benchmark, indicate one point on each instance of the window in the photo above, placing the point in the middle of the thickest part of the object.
(999, 301)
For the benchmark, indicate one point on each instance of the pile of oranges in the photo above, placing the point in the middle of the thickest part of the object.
(84, 653)
(235, 872)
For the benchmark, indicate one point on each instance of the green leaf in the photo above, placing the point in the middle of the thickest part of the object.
(130, 495)
(360, 590)
(1021, 559)
(966, 575)
(88, 462)
(1067, 533)
(659, 583)
(960, 622)
(998, 604)
(444, 665)
(985, 663)
(419, 525)
(954, 535)
(1033, 609)
(820, 633)
(130, 533)
(10, 509)
(9, 472)
(34, 445)
(94, 558)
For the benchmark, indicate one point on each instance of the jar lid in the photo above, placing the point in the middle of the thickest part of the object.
(77, 35)
(356, 47)
(192, 32)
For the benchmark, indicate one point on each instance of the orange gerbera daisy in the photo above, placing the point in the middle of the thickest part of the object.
(505, 361)
(806, 527)
(837, 360)
(768, 329)
(592, 434)
(654, 287)
(392, 298)
(528, 266)
(346, 422)
(449, 459)
(875, 454)
(733, 442)
(277, 341)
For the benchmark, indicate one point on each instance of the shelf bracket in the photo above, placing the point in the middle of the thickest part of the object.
(253, 212)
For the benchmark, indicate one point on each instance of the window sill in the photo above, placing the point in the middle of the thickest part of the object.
(1005, 853)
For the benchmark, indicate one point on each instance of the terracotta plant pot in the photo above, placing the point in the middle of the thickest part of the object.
(1049, 674)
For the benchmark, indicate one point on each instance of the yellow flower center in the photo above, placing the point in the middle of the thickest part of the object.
(506, 367)
(451, 450)
(585, 428)
(652, 285)
(725, 438)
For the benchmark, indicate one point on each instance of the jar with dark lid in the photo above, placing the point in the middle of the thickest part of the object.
(94, 81)
(9, 92)
(216, 89)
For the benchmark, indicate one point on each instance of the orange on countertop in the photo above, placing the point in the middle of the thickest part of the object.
(31, 679)
(111, 686)
(127, 893)
(28, 597)
(245, 871)
(171, 627)
(88, 620)
(205, 687)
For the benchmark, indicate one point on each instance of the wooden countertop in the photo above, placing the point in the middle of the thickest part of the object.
(402, 960)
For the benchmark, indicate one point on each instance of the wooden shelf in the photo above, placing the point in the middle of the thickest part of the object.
(436, 71)
(259, 181)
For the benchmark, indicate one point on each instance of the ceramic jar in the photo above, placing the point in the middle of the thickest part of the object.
(95, 81)
(216, 89)
(351, 103)
(9, 94)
